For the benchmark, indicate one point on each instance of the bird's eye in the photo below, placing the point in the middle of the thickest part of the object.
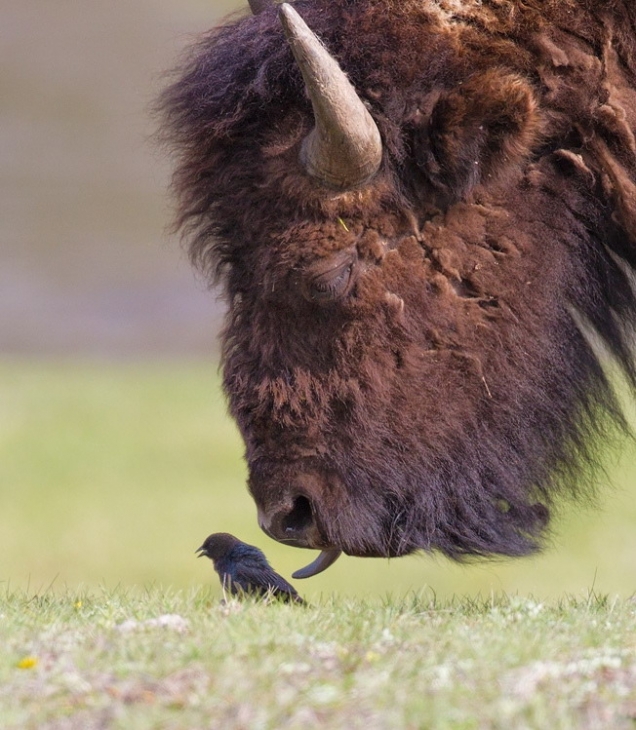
(323, 285)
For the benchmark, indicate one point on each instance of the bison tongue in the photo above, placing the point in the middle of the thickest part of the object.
(322, 562)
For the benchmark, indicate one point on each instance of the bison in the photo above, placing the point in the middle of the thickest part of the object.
(423, 217)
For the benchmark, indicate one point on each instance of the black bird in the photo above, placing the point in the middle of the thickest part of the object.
(244, 568)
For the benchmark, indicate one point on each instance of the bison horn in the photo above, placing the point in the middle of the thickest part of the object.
(258, 6)
(322, 562)
(344, 149)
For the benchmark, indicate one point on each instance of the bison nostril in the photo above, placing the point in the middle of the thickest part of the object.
(300, 518)
(295, 524)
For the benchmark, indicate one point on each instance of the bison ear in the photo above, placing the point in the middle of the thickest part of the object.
(477, 131)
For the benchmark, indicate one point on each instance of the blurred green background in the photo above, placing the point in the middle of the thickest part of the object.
(116, 455)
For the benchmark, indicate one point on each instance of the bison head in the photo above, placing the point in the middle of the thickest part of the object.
(416, 230)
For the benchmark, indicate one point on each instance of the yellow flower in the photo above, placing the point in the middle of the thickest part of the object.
(28, 662)
(77, 604)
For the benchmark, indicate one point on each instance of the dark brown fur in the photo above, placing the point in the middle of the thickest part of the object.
(450, 397)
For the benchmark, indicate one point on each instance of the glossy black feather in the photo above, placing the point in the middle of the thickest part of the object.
(244, 568)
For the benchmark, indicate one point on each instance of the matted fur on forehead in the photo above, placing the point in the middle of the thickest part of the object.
(239, 99)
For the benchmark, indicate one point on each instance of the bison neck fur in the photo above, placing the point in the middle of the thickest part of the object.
(439, 390)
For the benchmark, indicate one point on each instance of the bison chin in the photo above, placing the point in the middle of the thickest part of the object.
(305, 507)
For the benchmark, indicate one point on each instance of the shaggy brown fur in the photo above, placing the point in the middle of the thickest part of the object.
(439, 392)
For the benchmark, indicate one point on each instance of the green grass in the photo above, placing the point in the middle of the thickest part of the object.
(113, 475)
(165, 659)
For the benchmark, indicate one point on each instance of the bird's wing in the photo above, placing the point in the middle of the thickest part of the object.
(263, 579)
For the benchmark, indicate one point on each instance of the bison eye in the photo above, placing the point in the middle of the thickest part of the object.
(322, 285)
(330, 286)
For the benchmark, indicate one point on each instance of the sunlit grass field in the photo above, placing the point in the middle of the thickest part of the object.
(175, 660)
(112, 474)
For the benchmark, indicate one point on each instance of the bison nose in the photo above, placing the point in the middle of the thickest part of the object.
(295, 526)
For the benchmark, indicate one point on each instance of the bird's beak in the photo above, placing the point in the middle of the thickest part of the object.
(200, 552)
